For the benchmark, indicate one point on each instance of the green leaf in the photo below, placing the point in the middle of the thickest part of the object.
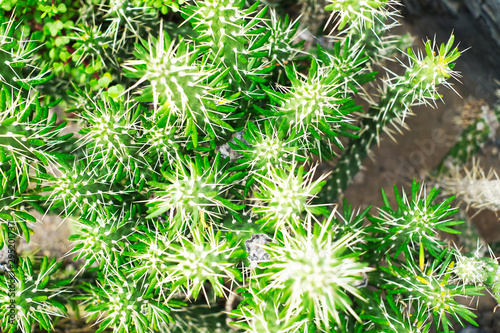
(158, 212)
(61, 8)
(26, 216)
(318, 210)
(105, 80)
(230, 204)
(115, 91)
(261, 41)
(40, 298)
(9, 121)
(25, 230)
(448, 46)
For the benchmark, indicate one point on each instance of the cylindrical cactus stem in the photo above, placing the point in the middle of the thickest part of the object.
(417, 86)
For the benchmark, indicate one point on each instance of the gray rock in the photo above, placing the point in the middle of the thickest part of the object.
(433, 6)
(471, 329)
(453, 6)
(492, 9)
(487, 11)
(484, 11)
(412, 6)
(254, 247)
(226, 151)
(474, 6)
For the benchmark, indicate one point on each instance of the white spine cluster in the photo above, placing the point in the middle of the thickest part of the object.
(474, 186)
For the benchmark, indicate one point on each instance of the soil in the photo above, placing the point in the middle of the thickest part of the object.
(433, 131)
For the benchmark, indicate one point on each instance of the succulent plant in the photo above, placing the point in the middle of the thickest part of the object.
(192, 181)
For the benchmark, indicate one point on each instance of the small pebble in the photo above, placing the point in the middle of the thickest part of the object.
(254, 249)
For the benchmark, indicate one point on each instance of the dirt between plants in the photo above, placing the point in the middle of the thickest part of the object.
(433, 131)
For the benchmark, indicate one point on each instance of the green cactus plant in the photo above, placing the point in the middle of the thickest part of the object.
(191, 182)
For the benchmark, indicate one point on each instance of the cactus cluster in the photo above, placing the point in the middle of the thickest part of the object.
(192, 183)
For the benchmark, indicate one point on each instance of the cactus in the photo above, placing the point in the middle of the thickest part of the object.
(193, 182)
